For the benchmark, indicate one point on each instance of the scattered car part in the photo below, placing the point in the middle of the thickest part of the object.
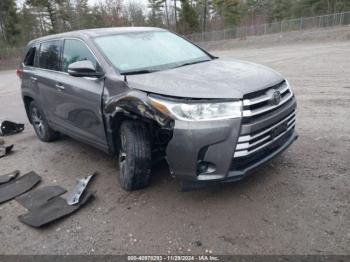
(9, 128)
(18, 186)
(52, 210)
(39, 197)
(8, 177)
(74, 196)
(5, 149)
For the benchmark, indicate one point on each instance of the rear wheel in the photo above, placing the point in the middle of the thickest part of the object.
(40, 124)
(134, 155)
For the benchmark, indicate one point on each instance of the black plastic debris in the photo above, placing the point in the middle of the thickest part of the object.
(5, 149)
(18, 186)
(45, 208)
(52, 210)
(39, 197)
(74, 196)
(8, 177)
(9, 128)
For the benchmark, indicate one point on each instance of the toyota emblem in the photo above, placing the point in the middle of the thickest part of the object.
(276, 98)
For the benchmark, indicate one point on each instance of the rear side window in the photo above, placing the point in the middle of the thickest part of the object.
(76, 50)
(29, 58)
(49, 55)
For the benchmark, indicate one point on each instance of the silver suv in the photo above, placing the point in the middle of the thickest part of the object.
(147, 94)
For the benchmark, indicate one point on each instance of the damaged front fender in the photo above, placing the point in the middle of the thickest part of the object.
(136, 103)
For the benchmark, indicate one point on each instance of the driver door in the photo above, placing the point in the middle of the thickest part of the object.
(77, 108)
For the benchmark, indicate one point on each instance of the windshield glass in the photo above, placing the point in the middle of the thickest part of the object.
(144, 52)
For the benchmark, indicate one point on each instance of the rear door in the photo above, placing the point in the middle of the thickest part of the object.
(47, 64)
(28, 78)
(77, 104)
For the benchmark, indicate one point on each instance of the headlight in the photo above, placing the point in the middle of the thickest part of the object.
(198, 111)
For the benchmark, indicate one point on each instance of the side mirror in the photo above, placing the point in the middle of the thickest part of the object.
(84, 68)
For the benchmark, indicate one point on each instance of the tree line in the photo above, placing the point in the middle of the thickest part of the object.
(35, 18)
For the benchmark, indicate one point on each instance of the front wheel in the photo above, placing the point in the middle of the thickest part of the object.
(134, 155)
(40, 124)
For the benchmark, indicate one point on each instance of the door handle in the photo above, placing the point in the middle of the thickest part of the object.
(60, 87)
(33, 78)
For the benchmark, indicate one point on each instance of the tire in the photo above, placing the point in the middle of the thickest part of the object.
(134, 156)
(40, 124)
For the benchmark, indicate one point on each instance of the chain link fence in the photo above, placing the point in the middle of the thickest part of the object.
(303, 23)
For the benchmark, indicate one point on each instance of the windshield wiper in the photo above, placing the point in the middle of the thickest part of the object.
(136, 72)
(147, 71)
(191, 63)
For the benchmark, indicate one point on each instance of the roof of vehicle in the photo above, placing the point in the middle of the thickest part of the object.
(97, 32)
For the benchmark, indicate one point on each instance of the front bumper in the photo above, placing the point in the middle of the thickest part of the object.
(206, 152)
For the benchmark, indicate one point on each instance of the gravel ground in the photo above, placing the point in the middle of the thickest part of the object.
(298, 204)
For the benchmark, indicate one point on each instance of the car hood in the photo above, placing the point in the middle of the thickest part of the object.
(212, 79)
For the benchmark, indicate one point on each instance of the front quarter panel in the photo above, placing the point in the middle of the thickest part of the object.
(121, 102)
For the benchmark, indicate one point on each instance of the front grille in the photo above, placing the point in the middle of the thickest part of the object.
(247, 161)
(249, 144)
(266, 126)
(258, 112)
(259, 103)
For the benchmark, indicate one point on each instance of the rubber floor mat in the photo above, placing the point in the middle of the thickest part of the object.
(39, 197)
(8, 177)
(52, 210)
(18, 186)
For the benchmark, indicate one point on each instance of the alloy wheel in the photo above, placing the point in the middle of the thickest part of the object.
(38, 122)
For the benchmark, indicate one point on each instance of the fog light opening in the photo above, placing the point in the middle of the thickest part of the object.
(204, 167)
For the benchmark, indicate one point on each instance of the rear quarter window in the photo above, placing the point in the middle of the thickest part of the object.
(49, 55)
(29, 58)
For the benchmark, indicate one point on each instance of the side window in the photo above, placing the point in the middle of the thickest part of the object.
(49, 55)
(75, 50)
(29, 58)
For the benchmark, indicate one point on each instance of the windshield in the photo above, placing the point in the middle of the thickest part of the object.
(149, 51)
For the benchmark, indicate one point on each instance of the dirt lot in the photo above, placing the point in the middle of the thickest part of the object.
(298, 204)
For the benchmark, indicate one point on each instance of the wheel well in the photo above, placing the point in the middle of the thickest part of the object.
(159, 136)
(115, 123)
(27, 100)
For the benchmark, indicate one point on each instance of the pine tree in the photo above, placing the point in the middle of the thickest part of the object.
(28, 24)
(155, 15)
(47, 10)
(229, 10)
(188, 22)
(9, 21)
(83, 15)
